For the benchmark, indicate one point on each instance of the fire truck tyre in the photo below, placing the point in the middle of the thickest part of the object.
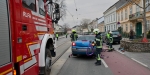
(118, 42)
(48, 59)
(74, 54)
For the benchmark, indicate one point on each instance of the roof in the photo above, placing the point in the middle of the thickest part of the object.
(118, 4)
(121, 3)
(111, 7)
(100, 20)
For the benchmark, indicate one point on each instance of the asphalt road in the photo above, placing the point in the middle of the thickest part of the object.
(61, 46)
(83, 66)
(114, 63)
(62, 41)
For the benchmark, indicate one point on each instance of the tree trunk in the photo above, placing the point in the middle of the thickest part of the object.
(144, 20)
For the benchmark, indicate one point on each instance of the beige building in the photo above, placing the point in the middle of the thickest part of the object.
(101, 26)
(130, 16)
(93, 24)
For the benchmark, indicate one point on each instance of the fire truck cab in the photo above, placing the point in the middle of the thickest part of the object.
(26, 34)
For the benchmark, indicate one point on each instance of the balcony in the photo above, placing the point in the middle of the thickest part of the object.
(136, 16)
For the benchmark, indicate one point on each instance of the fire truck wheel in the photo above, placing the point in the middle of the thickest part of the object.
(48, 60)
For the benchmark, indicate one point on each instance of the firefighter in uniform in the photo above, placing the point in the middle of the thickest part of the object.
(107, 37)
(98, 43)
(73, 35)
(57, 36)
(110, 42)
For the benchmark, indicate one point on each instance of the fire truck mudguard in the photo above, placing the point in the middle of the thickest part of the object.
(42, 50)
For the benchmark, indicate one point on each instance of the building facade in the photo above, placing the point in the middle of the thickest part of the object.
(58, 28)
(78, 28)
(131, 17)
(110, 18)
(126, 16)
(93, 24)
(101, 25)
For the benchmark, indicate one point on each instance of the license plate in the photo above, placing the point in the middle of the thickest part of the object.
(115, 36)
(82, 49)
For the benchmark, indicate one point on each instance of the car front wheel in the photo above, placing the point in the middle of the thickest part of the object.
(118, 42)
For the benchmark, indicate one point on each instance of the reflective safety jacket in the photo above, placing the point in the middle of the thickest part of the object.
(98, 42)
(56, 35)
(74, 36)
(111, 39)
(96, 32)
(108, 35)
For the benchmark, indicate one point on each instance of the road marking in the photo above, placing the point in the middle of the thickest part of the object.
(119, 51)
(104, 63)
(139, 62)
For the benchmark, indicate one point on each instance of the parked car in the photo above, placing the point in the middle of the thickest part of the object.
(116, 37)
(84, 45)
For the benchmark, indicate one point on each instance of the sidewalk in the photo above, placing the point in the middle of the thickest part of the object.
(139, 57)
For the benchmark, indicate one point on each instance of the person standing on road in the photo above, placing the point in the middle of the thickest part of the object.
(110, 42)
(99, 45)
(131, 34)
(57, 36)
(73, 35)
(66, 35)
(108, 35)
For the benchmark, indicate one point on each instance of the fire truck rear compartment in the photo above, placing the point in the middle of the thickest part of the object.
(5, 47)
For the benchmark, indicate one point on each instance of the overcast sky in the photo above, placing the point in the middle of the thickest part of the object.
(89, 9)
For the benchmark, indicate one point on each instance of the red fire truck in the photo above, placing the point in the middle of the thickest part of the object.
(26, 30)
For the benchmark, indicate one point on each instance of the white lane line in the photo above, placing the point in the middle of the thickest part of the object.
(119, 51)
(104, 63)
(139, 62)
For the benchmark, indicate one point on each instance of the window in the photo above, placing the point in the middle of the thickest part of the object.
(137, 8)
(121, 15)
(30, 4)
(126, 14)
(147, 3)
(131, 26)
(148, 24)
(111, 18)
(118, 17)
(84, 37)
(126, 27)
(41, 7)
(106, 20)
(130, 10)
(114, 17)
(114, 27)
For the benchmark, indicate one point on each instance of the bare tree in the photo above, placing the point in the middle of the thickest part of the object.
(66, 27)
(144, 7)
(62, 8)
(84, 23)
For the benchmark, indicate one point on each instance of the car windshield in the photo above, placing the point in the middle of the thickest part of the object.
(115, 32)
(86, 38)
